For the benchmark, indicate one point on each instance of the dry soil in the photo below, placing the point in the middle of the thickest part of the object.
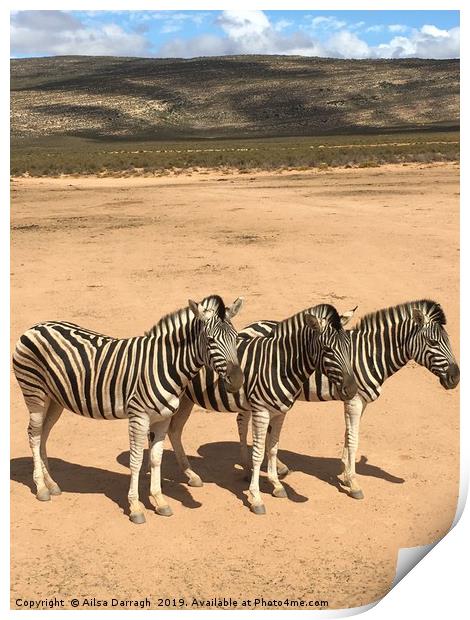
(116, 254)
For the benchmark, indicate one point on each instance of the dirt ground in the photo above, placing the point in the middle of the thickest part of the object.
(116, 254)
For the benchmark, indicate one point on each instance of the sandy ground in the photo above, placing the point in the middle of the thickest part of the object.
(116, 254)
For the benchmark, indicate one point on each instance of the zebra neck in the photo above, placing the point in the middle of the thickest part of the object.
(380, 345)
(175, 347)
(295, 351)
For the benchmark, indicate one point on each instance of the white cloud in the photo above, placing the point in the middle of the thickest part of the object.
(245, 32)
(59, 33)
(241, 32)
(169, 28)
(282, 24)
(397, 28)
(357, 26)
(202, 45)
(251, 32)
(432, 31)
(375, 28)
(345, 44)
(428, 42)
(244, 26)
(172, 21)
(327, 23)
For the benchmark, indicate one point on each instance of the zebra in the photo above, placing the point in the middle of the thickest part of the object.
(275, 368)
(381, 344)
(60, 365)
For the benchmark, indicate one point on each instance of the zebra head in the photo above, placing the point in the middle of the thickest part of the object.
(334, 348)
(429, 343)
(218, 339)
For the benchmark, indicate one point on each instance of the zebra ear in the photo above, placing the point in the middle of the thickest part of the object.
(196, 309)
(347, 316)
(204, 314)
(315, 323)
(234, 309)
(419, 317)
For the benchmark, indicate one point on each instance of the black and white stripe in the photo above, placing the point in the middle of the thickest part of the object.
(382, 343)
(60, 365)
(275, 366)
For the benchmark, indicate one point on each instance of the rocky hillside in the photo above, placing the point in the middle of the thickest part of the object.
(235, 96)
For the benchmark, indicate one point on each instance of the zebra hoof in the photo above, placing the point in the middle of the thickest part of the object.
(282, 472)
(164, 511)
(258, 509)
(137, 517)
(55, 490)
(280, 492)
(43, 495)
(357, 494)
(195, 482)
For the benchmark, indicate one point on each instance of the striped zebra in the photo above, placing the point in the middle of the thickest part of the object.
(60, 365)
(275, 368)
(381, 344)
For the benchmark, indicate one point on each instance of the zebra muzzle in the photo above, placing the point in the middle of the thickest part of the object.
(349, 388)
(234, 377)
(451, 378)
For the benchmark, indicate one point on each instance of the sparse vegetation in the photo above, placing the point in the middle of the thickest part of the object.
(79, 156)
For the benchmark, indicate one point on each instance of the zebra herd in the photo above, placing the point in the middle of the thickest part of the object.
(195, 356)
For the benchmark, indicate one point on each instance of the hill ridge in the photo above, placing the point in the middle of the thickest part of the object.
(228, 96)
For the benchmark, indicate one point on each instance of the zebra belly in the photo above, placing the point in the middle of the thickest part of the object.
(91, 393)
(93, 404)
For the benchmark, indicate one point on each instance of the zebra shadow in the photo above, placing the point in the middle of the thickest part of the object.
(218, 468)
(326, 469)
(76, 478)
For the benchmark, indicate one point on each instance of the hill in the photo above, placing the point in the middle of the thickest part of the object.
(226, 97)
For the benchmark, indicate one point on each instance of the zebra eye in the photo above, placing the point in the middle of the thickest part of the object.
(432, 342)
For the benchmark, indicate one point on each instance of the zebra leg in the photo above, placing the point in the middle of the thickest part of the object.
(158, 431)
(147, 463)
(243, 419)
(54, 412)
(138, 431)
(282, 470)
(344, 456)
(175, 431)
(260, 422)
(272, 443)
(37, 413)
(352, 413)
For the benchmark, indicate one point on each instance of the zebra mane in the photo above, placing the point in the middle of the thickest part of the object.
(327, 311)
(212, 302)
(216, 303)
(323, 311)
(430, 308)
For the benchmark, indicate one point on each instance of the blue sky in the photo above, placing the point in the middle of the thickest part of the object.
(186, 34)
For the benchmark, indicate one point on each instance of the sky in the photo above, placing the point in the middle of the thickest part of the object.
(187, 34)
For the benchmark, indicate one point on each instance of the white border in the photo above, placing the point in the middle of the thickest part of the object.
(439, 586)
